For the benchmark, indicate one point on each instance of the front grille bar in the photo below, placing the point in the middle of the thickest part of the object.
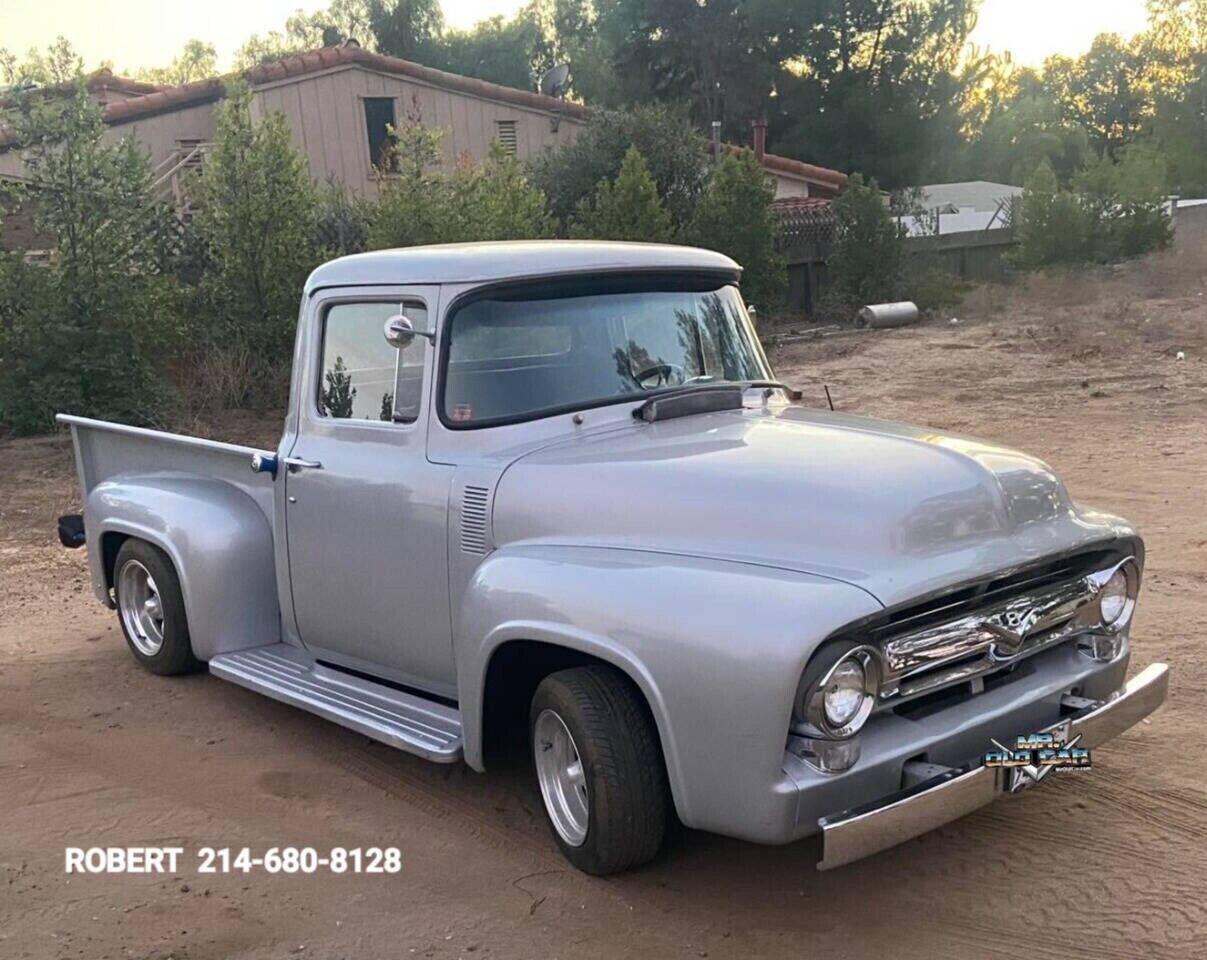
(954, 651)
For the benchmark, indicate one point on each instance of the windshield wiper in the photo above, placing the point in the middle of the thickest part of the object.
(694, 398)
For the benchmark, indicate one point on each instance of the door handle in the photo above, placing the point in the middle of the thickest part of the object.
(298, 463)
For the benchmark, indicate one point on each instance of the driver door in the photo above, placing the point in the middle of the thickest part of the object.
(365, 510)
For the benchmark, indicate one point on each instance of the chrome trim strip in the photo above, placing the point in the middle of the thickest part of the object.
(863, 831)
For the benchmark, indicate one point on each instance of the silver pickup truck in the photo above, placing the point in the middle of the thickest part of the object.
(552, 491)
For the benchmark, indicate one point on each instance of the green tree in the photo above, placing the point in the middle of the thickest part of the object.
(874, 85)
(257, 216)
(719, 56)
(342, 20)
(735, 216)
(1107, 91)
(413, 200)
(409, 29)
(419, 203)
(627, 208)
(867, 261)
(338, 395)
(1054, 226)
(78, 335)
(197, 61)
(1124, 201)
(495, 200)
(1023, 125)
(675, 153)
(511, 52)
(59, 64)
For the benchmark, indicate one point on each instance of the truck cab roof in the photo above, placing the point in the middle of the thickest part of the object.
(514, 259)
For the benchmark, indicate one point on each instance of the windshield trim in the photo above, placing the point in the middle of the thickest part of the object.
(638, 277)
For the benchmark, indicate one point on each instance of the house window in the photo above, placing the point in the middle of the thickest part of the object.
(379, 120)
(505, 132)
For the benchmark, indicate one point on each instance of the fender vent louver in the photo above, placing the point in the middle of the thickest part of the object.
(474, 510)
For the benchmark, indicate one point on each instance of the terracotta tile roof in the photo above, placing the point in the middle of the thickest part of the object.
(326, 58)
(802, 204)
(806, 171)
(166, 100)
(352, 53)
(106, 79)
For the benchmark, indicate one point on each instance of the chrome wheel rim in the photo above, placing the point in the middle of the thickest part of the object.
(559, 770)
(141, 608)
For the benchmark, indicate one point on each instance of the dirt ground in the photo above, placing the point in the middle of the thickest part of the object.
(93, 751)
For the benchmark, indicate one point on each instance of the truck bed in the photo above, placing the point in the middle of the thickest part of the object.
(106, 451)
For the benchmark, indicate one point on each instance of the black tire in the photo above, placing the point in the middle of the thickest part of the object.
(617, 743)
(175, 654)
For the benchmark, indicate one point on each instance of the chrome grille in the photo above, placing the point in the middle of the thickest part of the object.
(978, 630)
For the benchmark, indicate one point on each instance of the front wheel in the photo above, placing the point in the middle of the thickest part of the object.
(599, 768)
(150, 607)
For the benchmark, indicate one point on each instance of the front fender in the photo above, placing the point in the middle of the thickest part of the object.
(716, 647)
(219, 541)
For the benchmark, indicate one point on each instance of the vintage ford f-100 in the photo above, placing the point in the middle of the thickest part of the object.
(552, 490)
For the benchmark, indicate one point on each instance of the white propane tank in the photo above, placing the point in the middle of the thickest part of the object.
(899, 314)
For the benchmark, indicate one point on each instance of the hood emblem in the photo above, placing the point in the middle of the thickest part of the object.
(1010, 628)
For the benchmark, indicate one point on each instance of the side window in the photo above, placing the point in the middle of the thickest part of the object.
(360, 371)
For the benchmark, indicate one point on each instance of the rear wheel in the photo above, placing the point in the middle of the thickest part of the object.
(150, 607)
(599, 768)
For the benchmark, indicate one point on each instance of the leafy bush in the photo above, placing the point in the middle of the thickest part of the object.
(79, 334)
(932, 288)
(257, 217)
(867, 262)
(628, 208)
(1125, 202)
(495, 200)
(1115, 209)
(341, 222)
(409, 208)
(1054, 226)
(419, 203)
(734, 216)
(674, 151)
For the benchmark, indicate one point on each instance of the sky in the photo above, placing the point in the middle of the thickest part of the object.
(141, 33)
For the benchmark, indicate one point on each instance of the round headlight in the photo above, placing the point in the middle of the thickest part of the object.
(837, 693)
(1112, 600)
(844, 693)
(1117, 597)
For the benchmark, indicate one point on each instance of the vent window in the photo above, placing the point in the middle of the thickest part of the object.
(505, 131)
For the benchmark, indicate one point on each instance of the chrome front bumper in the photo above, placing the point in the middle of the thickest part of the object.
(862, 831)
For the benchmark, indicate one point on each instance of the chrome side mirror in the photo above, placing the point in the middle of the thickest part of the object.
(399, 332)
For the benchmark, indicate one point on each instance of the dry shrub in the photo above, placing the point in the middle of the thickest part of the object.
(1177, 272)
(1115, 291)
(210, 380)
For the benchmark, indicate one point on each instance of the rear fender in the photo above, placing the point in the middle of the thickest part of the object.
(217, 538)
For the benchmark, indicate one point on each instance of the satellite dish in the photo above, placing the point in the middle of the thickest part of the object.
(555, 82)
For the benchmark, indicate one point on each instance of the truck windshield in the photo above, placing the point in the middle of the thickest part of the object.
(522, 354)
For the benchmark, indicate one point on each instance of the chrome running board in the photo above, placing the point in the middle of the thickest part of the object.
(403, 720)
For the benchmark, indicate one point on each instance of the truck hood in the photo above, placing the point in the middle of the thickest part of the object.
(893, 509)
